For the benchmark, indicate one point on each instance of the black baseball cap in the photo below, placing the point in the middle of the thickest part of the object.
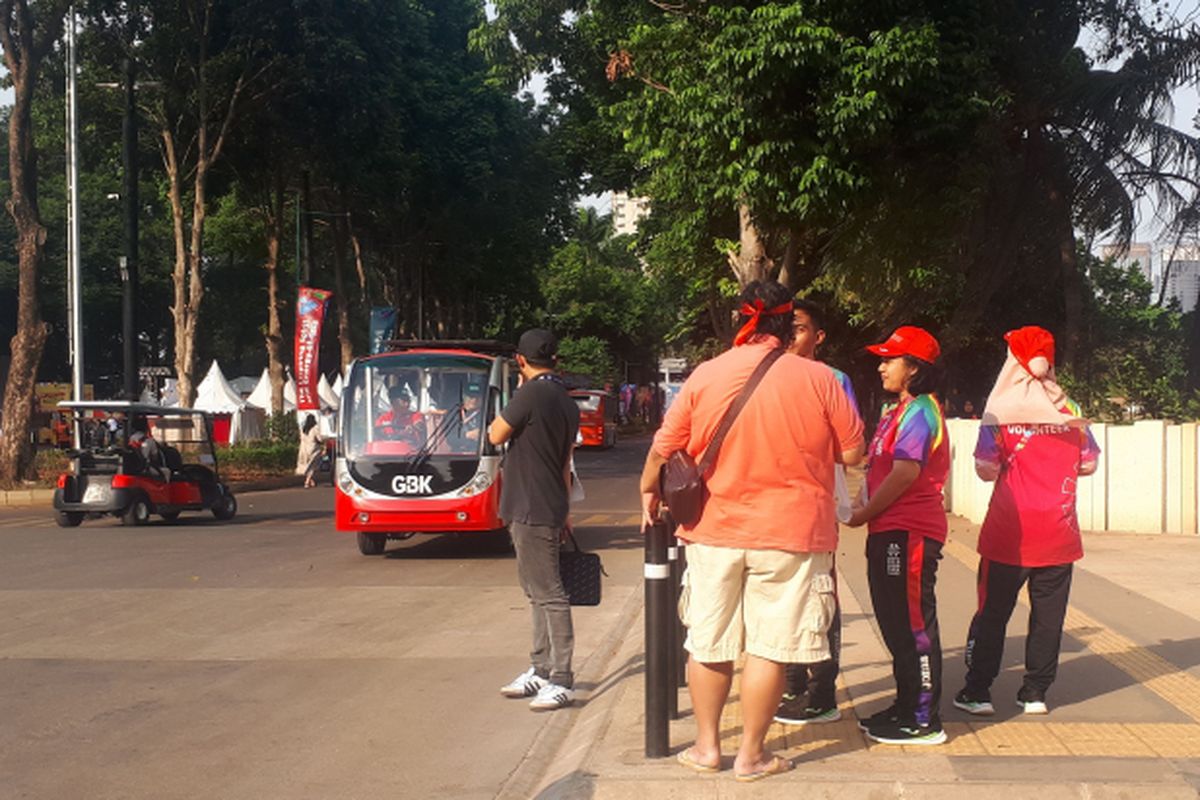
(539, 346)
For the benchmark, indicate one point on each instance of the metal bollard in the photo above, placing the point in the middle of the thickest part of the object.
(657, 574)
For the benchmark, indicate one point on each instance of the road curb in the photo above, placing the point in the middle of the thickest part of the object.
(15, 498)
(26, 497)
(596, 714)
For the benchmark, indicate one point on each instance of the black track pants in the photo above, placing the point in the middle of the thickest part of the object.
(998, 587)
(902, 572)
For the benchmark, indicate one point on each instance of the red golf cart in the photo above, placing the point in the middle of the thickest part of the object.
(116, 472)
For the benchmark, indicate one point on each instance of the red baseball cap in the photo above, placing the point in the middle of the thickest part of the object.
(908, 340)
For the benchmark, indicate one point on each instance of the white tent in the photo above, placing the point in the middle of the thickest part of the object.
(325, 392)
(338, 385)
(215, 395)
(261, 396)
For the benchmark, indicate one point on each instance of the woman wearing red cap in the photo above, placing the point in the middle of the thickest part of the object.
(1034, 444)
(909, 460)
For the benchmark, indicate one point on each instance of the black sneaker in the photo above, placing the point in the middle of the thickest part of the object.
(977, 703)
(908, 733)
(1032, 701)
(885, 717)
(795, 710)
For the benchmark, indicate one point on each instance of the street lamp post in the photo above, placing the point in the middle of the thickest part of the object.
(129, 274)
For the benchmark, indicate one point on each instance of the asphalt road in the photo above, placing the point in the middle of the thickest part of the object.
(266, 658)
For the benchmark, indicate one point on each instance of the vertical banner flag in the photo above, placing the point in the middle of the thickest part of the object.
(310, 313)
(383, 327)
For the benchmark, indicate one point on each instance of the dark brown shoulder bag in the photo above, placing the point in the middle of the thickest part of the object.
(682, 479)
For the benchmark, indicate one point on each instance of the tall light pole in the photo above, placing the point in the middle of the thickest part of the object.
(75, 301)
(129, 192)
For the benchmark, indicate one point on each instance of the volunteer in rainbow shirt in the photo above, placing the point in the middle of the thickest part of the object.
(1034, 444)
(904, 509)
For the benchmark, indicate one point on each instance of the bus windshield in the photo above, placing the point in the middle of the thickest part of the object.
(413, 405)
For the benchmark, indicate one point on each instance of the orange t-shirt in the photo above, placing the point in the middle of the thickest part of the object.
(772, 485)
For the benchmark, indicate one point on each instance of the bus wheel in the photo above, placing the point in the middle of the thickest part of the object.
(372, 544)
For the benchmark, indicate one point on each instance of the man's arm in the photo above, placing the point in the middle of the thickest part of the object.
(650, 488)
(499, 431)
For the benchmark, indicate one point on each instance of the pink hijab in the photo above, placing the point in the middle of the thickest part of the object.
(1026, 391)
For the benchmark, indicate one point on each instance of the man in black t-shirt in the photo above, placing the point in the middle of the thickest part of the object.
(541, 421)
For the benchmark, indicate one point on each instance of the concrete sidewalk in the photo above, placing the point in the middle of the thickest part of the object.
(1124, 719)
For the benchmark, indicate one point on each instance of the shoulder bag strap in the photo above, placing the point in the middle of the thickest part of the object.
(731, 414)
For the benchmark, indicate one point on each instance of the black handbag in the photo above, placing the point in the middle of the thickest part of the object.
(580, 572)
(682, 479)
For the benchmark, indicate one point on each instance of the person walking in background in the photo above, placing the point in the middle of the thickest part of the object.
(308, 455)
(541, 421)
(1034, 443)
(909, 458)
(810, 695)
(758, 577)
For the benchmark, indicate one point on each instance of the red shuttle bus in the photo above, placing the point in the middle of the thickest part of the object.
(413, 455)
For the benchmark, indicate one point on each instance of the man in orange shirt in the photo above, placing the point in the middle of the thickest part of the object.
(760, 558)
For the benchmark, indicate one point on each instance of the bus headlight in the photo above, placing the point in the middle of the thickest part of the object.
(480, 483)
(345, 483)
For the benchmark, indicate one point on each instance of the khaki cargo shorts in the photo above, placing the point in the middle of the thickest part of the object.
(769, 603)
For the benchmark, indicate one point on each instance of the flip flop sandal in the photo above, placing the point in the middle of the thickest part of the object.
(778, 766)
(685, 758)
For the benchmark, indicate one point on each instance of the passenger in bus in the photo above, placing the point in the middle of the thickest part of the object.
(471, 415)
(400, 422)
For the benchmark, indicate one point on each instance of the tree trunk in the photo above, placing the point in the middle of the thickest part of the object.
(274, 337)
(187, 278)
(23, 53)
(751, 262)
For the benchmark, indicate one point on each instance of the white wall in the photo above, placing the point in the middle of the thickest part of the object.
(1145, 482)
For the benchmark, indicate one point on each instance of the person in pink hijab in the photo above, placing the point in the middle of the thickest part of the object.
(1034, 443)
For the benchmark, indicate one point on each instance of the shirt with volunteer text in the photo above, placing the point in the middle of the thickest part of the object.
(1031, 520)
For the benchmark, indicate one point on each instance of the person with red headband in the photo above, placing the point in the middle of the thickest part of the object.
(909, 459)
(1034, 443)
(810, 696)
(760, 556)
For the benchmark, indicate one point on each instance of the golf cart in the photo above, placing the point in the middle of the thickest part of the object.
(117, 472)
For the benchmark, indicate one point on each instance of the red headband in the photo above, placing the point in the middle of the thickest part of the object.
(755, 312)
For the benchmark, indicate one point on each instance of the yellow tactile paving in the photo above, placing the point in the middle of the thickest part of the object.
(962, 741)
(1149, 669)
(609, 520)
(1101, 739)
(1024, 739)
(1169, 740)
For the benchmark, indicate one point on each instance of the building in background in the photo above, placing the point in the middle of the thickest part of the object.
(1140, 252)
(627, 212)
(1181, 271)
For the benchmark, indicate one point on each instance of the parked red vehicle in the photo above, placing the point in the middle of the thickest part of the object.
(110, 475)
(597, 418)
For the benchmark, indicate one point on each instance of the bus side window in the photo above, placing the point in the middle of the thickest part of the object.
(493, 410)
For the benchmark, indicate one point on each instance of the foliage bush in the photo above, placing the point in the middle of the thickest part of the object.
(283, 428)
(258, 458)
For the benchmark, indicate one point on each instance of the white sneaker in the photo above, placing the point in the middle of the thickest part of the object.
(527, 684)
(1033, 706)
(552, 696)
